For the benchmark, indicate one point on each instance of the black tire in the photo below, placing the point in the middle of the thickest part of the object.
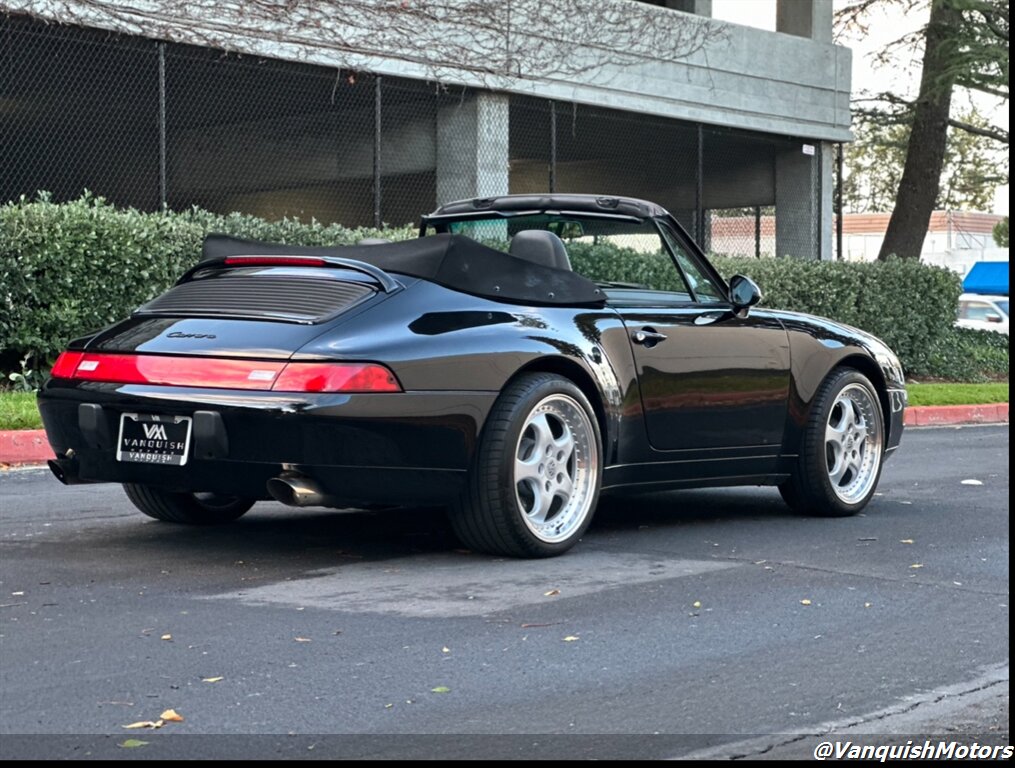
(490, 516)
(810, 490)
(186, 508)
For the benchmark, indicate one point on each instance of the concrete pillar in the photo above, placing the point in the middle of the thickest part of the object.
(826, 198)
(698, 7)
(472, 148)
(803, 202)
(805, 18)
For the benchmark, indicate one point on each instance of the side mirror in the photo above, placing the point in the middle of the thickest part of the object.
(744, 293)
(993, 317)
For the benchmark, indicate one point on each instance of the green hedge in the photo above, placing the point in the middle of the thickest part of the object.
(965, 354)
(607, 262)
(66, 269)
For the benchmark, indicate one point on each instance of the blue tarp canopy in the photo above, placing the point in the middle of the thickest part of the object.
(987, 277)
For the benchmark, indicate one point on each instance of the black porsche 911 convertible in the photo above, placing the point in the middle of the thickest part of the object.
(522, 355)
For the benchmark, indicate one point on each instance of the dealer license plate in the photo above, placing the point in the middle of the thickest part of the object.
(149, 439)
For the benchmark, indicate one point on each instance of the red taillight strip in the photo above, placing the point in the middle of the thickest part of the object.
(275, 261)
(174, 371)
(225, 373)
(66, 364)
(329, 377)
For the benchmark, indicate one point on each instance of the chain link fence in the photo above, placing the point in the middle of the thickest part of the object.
(152, 124)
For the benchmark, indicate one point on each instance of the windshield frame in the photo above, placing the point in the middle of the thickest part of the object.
(448, 218)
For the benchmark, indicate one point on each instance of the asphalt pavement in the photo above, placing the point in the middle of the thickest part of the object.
(712, 623)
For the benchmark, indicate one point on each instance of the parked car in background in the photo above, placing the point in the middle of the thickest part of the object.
(989, 313)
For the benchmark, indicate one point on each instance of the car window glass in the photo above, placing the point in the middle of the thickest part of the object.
(627, 257)
(704, 289)
(977, 310)
(635, 260)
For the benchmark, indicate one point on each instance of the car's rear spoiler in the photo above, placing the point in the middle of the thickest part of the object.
(387, 283)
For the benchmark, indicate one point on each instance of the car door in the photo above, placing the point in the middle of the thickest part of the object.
(714, 384)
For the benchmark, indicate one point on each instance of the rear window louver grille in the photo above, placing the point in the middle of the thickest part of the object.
(296, 299)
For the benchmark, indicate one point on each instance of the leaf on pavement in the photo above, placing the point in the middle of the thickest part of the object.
(212, 679)
(551, 593)
(906, 541)
(914, 566)
(133, 743)
(150, 724)
(440, 689)
(805, 601)
(172, 716)
(166, 636)
(570, 639)
(696, 604)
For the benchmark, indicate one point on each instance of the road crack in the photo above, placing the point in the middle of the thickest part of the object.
(885, 579)
(993, 678)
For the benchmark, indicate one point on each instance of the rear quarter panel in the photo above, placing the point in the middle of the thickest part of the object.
(437, 339)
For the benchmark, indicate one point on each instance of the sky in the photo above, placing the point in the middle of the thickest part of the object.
(885, 26)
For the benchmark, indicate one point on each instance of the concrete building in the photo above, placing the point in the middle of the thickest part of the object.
(290, 110)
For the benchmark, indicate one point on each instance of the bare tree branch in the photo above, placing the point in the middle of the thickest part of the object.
(497, 43)
(976, 85)
(991, 133)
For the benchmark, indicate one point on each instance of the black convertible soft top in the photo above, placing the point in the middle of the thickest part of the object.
(454, 261)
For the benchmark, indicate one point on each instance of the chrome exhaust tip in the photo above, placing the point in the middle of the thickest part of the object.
(66, 471)
(296, 491)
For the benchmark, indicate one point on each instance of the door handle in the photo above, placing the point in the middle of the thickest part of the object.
(649, 337)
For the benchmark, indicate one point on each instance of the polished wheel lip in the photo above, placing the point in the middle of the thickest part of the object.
(555, 468)
(853, 442)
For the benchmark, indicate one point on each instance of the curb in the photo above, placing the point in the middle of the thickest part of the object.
(943, 415)
(29, 446)
(24, 446)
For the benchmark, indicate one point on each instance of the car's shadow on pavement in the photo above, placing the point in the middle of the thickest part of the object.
(274, 540)
(618, 512)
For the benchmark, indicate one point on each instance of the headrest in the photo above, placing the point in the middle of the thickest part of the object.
(540, 247)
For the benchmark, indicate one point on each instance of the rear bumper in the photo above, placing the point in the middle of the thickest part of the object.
(410, 447)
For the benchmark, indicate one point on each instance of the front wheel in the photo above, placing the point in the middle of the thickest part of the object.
(535, 482)
(188, 508)
(842, 450)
